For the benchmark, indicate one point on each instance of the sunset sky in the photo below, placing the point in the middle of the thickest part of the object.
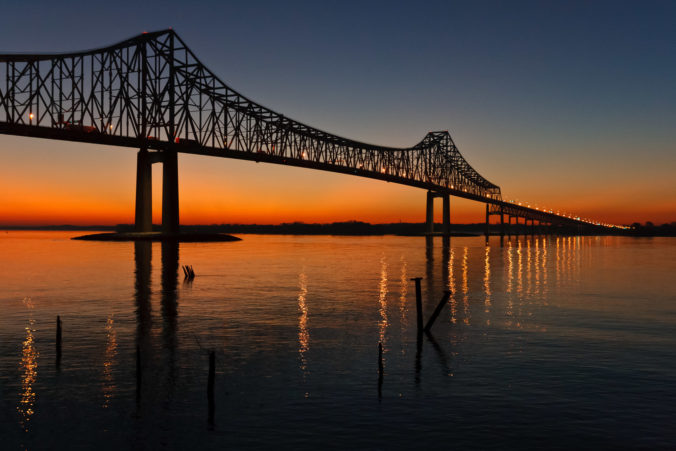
(565, 105)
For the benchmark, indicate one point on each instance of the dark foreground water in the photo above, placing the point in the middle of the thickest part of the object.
(546, 342)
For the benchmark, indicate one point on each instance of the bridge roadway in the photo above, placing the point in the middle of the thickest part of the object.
(150, 92)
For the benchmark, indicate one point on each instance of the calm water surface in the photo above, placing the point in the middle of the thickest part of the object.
(546, 341)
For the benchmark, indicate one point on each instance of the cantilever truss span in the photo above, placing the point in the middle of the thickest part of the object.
(151, 92)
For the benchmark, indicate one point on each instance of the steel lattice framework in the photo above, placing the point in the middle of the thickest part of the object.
(152, 92)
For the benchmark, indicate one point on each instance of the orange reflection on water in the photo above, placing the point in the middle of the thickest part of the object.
(578, 257)
(451, 287)
(487, 283)
(510, 278)
(382, 300)
(303, 334)
(465, 286)
(29, 365)
(569, 256)
(510, 267)
(558, 262)
(545, 245)
(519, 270)
(529, 274)
(403, 291)
(537, 265)
(109, 357)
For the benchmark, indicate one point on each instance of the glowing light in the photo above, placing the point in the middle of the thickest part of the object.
(31, 116)
(382, 300)
(465, 286)
(402, 294)
(487, 282)
(29, 365)
(110, 354)
(303, 334)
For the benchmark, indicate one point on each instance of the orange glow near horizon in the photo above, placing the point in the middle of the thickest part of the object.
(72, 184)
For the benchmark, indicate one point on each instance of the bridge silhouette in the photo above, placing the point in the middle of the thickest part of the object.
(150, 92)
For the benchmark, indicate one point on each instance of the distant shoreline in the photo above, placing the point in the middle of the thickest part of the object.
(350, 228)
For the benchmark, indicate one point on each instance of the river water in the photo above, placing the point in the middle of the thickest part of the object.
(545, 341)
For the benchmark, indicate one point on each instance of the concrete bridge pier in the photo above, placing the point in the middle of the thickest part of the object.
(446, 213)
(170, 192)
(144, 190)
(487, 230)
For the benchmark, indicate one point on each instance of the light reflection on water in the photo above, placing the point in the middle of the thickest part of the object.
(465, 285)
(303, 334)
(519, 269)
(545, 245)
(487, 284)
(109, 361)
(29, 367)
(403, 301)
(545, 337)
(451, 286)
(382, 302)
(510, 284)
(536, 251)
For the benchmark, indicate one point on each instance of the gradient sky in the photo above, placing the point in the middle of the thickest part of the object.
(567, 105)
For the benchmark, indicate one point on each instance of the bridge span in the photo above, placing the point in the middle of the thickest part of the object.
(150, 92)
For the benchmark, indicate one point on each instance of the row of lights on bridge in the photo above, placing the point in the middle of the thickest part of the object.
(566, 215)
(569, 216)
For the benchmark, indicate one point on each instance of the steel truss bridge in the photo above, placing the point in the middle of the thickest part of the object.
(151, 92)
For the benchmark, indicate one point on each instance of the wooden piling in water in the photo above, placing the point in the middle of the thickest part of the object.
(437, 310)
(418, 304)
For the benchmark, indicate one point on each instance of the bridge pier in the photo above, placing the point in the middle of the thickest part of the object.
(486, 232)
(446, 213)
(144, 192)
(170, 192)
